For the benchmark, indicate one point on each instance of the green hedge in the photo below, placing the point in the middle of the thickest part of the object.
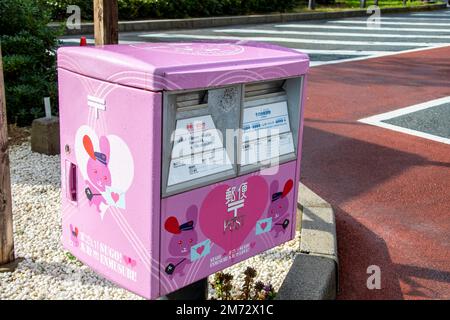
(148, 9)
(28, 49)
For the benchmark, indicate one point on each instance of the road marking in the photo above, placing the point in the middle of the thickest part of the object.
(394, 23)
(447, 18)
(377, 120)
(384, 54)
(343, 52)
(325, 26)
(292, 40)
(332, 34)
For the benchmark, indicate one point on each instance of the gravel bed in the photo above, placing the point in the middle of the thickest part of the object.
(48, 271)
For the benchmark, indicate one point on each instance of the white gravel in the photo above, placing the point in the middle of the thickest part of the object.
(49, 272)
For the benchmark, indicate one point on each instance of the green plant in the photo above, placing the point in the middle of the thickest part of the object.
(223, 287)
(28, 48)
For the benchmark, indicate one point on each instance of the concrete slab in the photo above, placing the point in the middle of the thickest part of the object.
(318, 232)
(314, 272)
(45, 136)
(311, 277)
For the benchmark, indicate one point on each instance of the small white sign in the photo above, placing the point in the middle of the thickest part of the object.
(255, 151)
(195, 135)
(197, 166)
(273, 116)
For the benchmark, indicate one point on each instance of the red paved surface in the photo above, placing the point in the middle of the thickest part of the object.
(390, 190)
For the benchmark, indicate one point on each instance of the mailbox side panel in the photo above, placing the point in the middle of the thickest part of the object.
(110, 160)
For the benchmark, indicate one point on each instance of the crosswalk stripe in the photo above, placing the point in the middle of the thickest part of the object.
(291, 40)
(413, 18)
(394, 23)
(333, 34)
(338, 27)
(343, 52)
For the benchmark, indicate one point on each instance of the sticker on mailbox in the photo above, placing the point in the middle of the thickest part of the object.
(200, 250)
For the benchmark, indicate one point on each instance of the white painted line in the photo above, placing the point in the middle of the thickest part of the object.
(377, 120)
(447, 18)
(292, 40)
(344, 52)
(333, 34)
(430, 24)
(339, 27)
(387, 53)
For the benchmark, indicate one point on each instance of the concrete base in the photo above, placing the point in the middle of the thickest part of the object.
(311, 277)
(314, 272)
(45, 136)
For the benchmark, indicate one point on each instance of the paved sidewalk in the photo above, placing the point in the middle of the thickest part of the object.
(390, 190)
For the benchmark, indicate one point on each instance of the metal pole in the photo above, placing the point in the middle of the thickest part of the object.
(362, 3)
(311, 4)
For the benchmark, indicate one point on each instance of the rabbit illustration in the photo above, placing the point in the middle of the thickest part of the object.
(98, 171)
(278, 209)
(183, 238)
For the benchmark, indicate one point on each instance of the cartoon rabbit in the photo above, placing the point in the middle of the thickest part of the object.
(98, 171)
(184, 237)
(278, 209)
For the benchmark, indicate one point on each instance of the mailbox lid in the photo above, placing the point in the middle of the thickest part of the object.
(186, 65)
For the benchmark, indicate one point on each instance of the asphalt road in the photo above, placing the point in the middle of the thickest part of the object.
(326, 41)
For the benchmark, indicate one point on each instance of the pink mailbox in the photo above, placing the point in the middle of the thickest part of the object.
(178, 159)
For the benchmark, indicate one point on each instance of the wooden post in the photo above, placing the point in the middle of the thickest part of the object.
(106, 22)
(6, 221)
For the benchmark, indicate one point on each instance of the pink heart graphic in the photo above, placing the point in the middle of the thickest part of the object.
(252, 244)
(200, 250)
(213, 213)
(115, 196)
(263, 226)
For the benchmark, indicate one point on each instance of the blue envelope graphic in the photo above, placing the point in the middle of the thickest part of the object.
(263, 225)
(200, 249)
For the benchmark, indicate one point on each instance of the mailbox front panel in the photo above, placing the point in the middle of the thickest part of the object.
(211, 228)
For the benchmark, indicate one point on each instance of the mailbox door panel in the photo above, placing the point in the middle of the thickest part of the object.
(211, 228)
(110, 162)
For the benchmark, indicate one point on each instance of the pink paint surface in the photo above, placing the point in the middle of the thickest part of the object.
(176, 66)
(113, 216)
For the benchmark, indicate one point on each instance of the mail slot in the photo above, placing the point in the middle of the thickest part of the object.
(178, 159)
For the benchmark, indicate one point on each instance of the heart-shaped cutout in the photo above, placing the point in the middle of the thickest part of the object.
(200, 250)
(115, 196)
(172, 225)
(214, 213)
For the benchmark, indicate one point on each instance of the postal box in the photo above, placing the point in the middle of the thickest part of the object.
(178, 159)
